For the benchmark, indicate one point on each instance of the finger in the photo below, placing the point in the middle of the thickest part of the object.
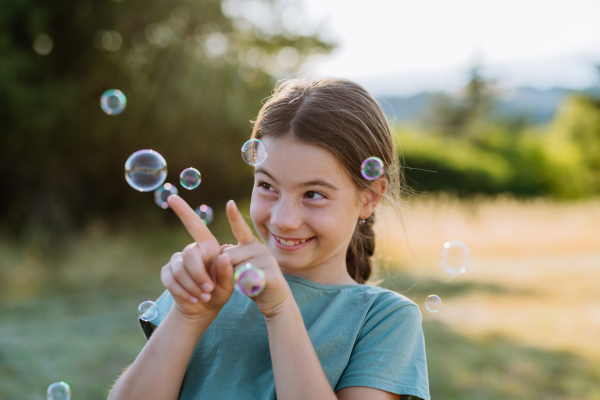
(192, 261)
(226, 246)
(239, 227)
(224, 272)
(239, 254)
(178, 292)
(183, 278)
(192, 221)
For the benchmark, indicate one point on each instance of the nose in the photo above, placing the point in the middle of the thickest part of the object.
(286, 215)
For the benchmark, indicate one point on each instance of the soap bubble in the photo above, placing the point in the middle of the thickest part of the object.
(249, 280)
(433, 303)
(205, 213)
(371, 168)
(113, 102)
(254, 152)
(190, 178)
(145, 170)
(162, 194)
(147, 311)
(454, 258)
(59, 391)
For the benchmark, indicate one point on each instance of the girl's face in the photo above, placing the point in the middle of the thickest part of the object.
(305, 207)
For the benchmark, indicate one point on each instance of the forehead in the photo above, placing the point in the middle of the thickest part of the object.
(291, 161)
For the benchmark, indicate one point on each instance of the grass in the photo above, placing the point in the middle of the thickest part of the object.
(522, 323)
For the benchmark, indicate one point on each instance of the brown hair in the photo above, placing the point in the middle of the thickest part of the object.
(342, 117)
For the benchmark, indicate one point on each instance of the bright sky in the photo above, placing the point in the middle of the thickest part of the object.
(536, 42)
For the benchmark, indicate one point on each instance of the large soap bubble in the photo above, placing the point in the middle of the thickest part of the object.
(161, 195)
(372, 168)
(58, 391)
(190, 178)
(249, 280)
(147, 311)
(254, 152)
(113, 102)
(145, 170)
(205, 213)
(454, 258)
(433, 303)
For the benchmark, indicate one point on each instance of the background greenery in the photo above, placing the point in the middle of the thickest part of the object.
(79, 249)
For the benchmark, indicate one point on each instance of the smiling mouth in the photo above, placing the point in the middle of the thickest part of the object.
(290, 242)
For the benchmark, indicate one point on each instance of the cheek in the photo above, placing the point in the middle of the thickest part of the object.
(259, 210)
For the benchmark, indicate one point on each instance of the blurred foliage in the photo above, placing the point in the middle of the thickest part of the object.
(473, 151)
(194, 73)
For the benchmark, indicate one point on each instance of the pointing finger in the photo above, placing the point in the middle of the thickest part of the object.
(239, 227)
(192, 221)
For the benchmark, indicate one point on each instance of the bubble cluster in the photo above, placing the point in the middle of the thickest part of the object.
(147, 311)
(190, 178)
(58, 391)
(162, 194)
(113, 102)
(254, 152)
(372, 168)
(145, 170)
(250, 280)
(205, 213)
(454, 258)
(433, 303)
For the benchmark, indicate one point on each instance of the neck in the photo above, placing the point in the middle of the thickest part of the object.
(327, 273)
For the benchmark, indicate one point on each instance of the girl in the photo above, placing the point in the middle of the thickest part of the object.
(317, 331)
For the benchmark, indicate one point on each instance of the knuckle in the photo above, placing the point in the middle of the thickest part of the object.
(176, 256)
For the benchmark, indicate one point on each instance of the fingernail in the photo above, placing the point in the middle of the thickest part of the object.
(205, 297)
(207, 287)
(193, 300)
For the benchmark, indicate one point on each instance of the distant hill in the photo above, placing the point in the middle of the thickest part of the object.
(537, 106)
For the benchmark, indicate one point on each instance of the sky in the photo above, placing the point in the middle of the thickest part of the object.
(402, 47)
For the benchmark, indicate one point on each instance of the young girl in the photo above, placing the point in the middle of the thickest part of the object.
(317, 331)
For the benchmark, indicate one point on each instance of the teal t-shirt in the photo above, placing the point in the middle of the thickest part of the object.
(363, 335)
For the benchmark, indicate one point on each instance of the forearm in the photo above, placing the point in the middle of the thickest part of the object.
(296, 367)
(157, 372)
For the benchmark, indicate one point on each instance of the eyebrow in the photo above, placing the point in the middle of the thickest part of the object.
(317, 182)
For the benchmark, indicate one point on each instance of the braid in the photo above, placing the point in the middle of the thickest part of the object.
(362, 247)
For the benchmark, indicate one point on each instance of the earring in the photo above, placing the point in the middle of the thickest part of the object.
(362, 221)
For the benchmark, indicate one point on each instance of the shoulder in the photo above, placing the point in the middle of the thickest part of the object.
(390, 313)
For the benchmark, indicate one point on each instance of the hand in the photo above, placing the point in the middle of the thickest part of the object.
(277, 294)
(199, 278)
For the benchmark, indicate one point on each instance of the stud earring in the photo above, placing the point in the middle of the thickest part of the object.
(362, 221)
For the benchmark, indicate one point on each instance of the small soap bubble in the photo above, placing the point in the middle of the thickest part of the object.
(454, 258)
(372, 168)
(147, 311)
(145, 170)
(59, 391)
(190, 178)
(205, 213)
(113, 102)
(433, 303)
(250, 280)
(254, 152)
(162, 194)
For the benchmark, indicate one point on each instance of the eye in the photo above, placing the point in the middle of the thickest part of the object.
(266, 186)
(314, 195)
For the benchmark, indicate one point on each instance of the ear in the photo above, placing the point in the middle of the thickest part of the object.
(372, 196)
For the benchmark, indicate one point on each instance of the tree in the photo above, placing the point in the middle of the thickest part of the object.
(194, 73)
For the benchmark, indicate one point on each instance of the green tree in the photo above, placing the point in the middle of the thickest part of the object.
(194, 73)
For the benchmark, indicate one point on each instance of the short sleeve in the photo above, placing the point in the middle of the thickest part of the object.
(163, 305)
(389, 353)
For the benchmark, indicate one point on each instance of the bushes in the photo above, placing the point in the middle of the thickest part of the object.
(561, 160)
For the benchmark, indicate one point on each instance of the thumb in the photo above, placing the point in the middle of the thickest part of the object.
(224, 272)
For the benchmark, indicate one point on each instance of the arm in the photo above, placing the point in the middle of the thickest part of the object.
(158, 371)
(296, 367)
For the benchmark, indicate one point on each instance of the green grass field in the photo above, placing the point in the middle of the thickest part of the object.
(516, 326)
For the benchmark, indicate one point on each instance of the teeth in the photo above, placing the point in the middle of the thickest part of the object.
(289, 242)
